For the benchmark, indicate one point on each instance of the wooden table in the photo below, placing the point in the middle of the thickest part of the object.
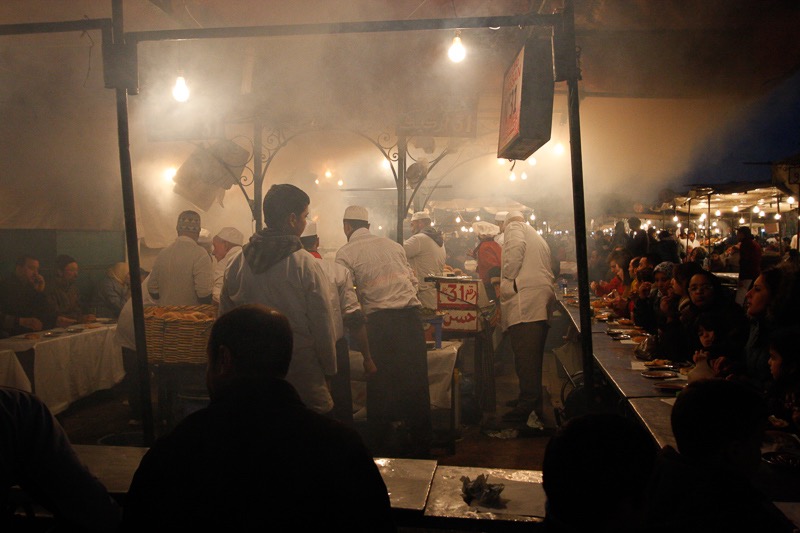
(447, 509)
(68, 366)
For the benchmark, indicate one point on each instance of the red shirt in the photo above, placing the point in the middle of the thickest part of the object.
(488, 254)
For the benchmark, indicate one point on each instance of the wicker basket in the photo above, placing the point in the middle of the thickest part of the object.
(177, 340)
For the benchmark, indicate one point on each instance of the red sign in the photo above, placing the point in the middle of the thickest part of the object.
(458, 295)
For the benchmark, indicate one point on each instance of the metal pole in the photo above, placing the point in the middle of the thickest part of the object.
(579, 207)
(780, 224)
(402, 151)
(708, 224)
(688, 227)
(132, 239)
(258, 179)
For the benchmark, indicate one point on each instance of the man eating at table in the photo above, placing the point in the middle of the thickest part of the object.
(22, 299)
(256, 456)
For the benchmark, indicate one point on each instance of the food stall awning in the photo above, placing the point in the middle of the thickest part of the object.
(490, 204)
(741, 196)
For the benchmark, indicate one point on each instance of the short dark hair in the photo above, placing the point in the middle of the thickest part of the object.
(63, 260)
(309, 241)
(713, 413)
(21, 260)
(581, 458)
(745, 230)
(356, 224)
(282, 200)
(635, 222)
(259, 339)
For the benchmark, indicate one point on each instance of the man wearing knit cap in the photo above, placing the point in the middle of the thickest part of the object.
(526, 300)
(346, 312)
(274, 270)
(500, 218)
(426, 255)
(397, 395)
(224, 247)
(182, 273)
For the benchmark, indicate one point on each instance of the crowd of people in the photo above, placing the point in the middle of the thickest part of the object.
(692, 316)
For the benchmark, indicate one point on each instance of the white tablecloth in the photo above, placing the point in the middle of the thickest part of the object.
(441, 363)
(72, 365)
(11, 372)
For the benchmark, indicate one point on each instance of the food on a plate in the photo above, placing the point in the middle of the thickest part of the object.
(639, 338)
(93, 325)
(658, 362)
(31, 336)
(625, 321)
(598, 304)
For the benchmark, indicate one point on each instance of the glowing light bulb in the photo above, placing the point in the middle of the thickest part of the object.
(380, 227)
(532, 217)
(316, 181)
(512, 177)
(790, 200)
(523, 176)
(679, 224)
(736, 209)
(741, 220)
(457, 52)
(675, 218)
(471, 230)
(714, 224)
(169, 173)
(532, 161)
(385, 164)
(717, 213)
(180, 91)
(501, 162)
(477, 218)
(558, 149)
(777, 216)
(458, 220)
(761, 214)
(702, 216)
(756, 209)
(340, 183)
(328, 173)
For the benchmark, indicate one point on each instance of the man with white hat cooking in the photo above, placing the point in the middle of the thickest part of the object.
(346, 312)
(224, 247)
(397, 395)
(526, 300)
(426, 255)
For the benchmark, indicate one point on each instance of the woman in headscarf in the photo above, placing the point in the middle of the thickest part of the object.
(113, 291)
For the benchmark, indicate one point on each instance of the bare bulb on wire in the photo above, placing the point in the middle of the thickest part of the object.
(457, 52)
(180, 91)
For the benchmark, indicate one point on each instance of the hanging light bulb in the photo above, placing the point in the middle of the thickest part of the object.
(736, 209)
(532, 161)
(777, 216)
(169, 173)
(328, 173)
(675, 218)
(558, 149)
(340, 183)
(385, 164)
(512, 177)
(533, 217)
(761, 214)
(458, 220)
(477, 218)
(790, 200)
(702, 216)
(741, 220)
(523, 176)
(501, 162)
(717, 213)
(756, 209)
(457, 52)
(471, 229)
(180, 91)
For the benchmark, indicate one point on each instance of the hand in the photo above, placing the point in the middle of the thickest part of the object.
(699, 356)
(63, 322)
(369, 367)
(718, 364)
(31, 323)
(593, 285)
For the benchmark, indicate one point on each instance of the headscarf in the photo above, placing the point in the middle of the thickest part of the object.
(665, 268)
(118, 272)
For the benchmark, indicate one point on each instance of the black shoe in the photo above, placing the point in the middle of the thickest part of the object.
(517, 414)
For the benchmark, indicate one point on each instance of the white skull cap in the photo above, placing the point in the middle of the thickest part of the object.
(356, 212)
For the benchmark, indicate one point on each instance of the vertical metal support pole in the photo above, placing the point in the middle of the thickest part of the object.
(780, 228)
(576, 159)
(708, 223)
(688, 227)
(402, 151)
(258, 178)
(132, 240)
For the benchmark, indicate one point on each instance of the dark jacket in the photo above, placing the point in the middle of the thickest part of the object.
(253, 459)
(23, 301)
(749, 259)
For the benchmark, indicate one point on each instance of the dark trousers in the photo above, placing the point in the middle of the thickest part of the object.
(527, 341)
(399, 391)
(131, 383)
(340, 385)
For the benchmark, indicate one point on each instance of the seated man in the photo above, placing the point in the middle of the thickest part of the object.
(256, 456)
(705, 486)
(36, 455)
(595, 473)
(22, 299)
(62, 292)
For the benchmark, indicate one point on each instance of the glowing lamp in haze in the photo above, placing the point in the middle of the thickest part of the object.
(180, 91)
(790, 200)
(736, 209)
(717, 213)
(741, 220)
(756, 209)
(457, 52)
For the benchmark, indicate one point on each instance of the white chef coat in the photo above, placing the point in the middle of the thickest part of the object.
(219, 271)
(426, 259)
(181, 274)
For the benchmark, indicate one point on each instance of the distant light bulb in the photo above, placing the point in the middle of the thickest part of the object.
(777, 216)
(679, 224)
(523, 176)
(328, 173)
(532, 161)
(385, 164)
(180, 91)
(675, 218)
(761, 214)
(512, 177)
(790, 200)
(501, 162)
(736, 209)
(756, 209)
(169, 174)
(717, 213)
(702, 216)
(471, 229)
(741, 220)
(558, 149)
(532, 217)
(340, 183)
(380, 227)
(457, 52)
(458, 220)
(714, 224)
(316, 181)
(464, 228)
(477, 218)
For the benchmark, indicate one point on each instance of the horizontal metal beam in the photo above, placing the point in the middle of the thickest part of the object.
(529, 19)
(55, 27)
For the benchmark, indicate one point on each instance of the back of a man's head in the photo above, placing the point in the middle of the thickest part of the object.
(711, 416)
(257, 339)
(595, 472)
(282, 200)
